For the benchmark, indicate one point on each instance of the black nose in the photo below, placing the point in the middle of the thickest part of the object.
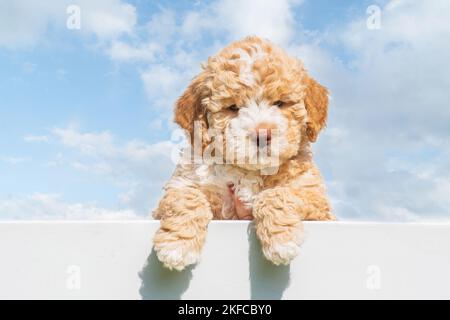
(263, 137)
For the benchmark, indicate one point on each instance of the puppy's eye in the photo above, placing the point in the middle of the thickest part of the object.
(233, 108)
(278, 103)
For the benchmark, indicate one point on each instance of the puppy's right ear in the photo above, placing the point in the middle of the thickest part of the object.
(187, 108)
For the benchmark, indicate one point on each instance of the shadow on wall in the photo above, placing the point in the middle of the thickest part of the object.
(267, 281)
(160, 283)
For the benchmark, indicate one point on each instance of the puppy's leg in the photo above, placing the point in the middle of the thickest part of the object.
(279, 213)
(185, 214)
(278, 224)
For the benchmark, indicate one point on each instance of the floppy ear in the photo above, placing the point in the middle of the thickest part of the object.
(316, 103)
(188, 109)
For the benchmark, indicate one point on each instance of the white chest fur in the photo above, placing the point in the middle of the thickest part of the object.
(246, 183)
(216, 178)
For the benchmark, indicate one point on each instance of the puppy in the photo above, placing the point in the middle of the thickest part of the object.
(250, 117)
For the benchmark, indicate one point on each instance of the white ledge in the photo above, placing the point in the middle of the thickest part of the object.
(113, 260)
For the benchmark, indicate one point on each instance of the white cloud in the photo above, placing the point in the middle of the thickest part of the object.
(41, 206)
(195, 23)
(139, 169)
(384, 152)
(162, 84)
(26, 24)
(28, 20)
(108, 19)
(272, 19)
(402, 22)
(35, 138)
(162, 27)
(12, 160)
(87, 143)
(122, 51)
(103, 145)
(233, 19)
(158, 32)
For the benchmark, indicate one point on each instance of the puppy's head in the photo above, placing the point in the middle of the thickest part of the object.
(255, 101)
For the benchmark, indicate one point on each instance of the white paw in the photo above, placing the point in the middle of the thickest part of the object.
(281, 253)
(176, 256)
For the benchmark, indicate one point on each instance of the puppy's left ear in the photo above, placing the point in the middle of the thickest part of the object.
(316, 103)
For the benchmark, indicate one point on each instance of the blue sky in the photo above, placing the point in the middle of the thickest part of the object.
(86, 114)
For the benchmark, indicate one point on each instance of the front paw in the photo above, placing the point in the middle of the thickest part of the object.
(278, 225)
(281, 253)
(176, 253)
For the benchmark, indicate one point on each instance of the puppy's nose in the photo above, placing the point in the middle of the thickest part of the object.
(263, 134)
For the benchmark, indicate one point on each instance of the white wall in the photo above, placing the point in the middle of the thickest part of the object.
(89, 260)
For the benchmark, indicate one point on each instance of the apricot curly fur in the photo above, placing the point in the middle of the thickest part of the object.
(267, 89)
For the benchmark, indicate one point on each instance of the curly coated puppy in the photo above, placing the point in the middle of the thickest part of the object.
(250, 116)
